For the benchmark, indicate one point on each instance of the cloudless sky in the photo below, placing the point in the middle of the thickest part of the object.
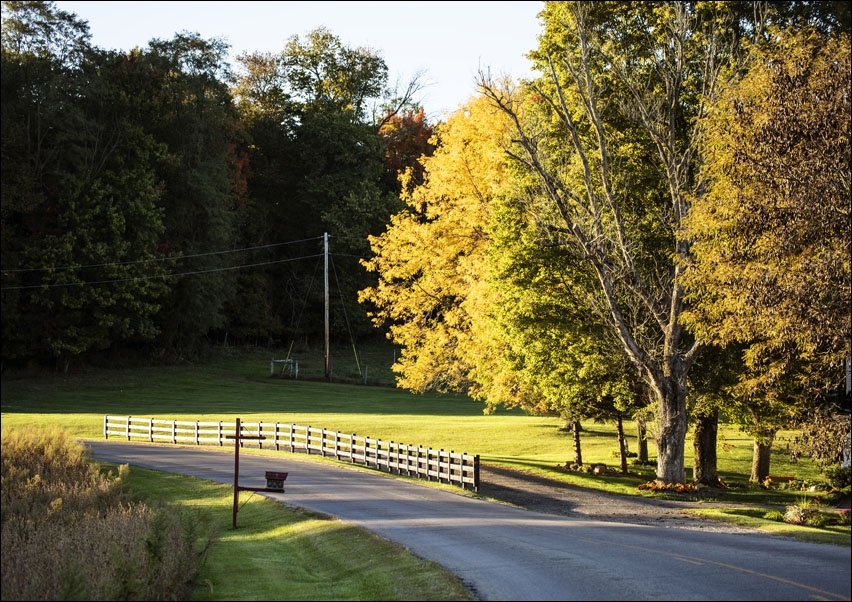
(448, 41)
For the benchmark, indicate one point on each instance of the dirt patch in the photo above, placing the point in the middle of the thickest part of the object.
(541, 494)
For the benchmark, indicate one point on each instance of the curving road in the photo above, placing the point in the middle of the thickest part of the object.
(504, 553)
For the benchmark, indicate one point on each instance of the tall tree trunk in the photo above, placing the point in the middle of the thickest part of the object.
(671, 430)
(642, 437)
(704, 447)
(761, 456)
(622, 442)
(575, 430)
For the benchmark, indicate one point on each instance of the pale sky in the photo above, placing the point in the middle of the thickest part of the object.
(448, 41)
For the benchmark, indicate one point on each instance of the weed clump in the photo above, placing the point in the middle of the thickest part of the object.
(71, 532)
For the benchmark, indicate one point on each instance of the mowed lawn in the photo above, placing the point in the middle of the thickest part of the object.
(238, 384)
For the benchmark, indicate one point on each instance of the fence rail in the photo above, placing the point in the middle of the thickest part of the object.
(411, 460)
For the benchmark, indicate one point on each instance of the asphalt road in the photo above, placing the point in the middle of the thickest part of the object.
(505, 553)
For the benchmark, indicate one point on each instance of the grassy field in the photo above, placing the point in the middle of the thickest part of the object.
(237, 383)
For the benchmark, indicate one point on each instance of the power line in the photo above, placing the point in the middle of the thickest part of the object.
(172, 258)
(158, 277)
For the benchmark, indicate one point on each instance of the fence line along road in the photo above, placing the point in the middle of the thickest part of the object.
(411, 460)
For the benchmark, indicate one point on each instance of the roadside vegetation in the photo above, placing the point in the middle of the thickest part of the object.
(73, 532)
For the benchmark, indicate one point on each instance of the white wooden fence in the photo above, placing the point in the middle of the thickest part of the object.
(411, 460)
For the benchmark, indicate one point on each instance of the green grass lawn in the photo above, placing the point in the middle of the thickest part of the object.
(237, 384)
(279, 554)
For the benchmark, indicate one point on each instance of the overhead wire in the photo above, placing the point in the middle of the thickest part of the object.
(155, 259)
(175, 258)
(157, 277)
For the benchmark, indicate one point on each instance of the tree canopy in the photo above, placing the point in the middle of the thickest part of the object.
(771, 259)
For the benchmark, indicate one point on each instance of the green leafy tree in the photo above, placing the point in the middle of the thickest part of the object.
(555, 331)
(716, 370)
(191, 111)
(607, 130)
(318, 164)
(80, 220)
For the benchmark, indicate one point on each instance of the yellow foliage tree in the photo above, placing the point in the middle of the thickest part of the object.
(432, 290)
(771, 263)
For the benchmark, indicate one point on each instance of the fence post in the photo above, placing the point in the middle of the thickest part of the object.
(127, 428)
(476, 473)
(151, 430)
(461, 469)
(174, 432)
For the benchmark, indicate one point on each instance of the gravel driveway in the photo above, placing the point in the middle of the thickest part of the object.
(540, 494)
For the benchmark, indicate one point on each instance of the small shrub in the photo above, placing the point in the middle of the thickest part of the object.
(817, 519)
(668, 487)
(775, 515)
(839, 477)
(617, 454)
(799, 515)
(835, 497)
(844, 518)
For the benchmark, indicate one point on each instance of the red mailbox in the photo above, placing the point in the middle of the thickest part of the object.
(275, 480)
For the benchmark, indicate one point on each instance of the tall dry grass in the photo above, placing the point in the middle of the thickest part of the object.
(70, 532)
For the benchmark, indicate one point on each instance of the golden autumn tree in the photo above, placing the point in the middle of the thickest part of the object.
(431, 264)
(770, 269)
(772, 235)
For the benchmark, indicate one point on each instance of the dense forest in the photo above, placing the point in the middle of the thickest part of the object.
(657, 226)
(159, 201)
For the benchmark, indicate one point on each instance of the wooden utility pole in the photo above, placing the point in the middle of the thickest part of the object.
(325, 255)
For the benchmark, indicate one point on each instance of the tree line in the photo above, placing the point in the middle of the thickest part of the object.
(158, 199)
(656, 226)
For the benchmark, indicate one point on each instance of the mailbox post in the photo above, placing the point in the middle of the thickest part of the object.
(274, 480)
